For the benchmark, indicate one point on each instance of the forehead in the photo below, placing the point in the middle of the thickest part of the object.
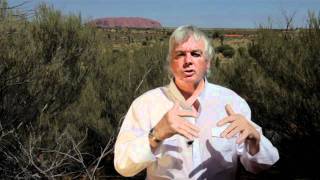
(190, 44)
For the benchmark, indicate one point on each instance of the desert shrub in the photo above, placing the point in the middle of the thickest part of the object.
(64, 91)
(242, 51)
(216, 35)
(229, 53)
(226, 50)
(279, 78)
(47, 83)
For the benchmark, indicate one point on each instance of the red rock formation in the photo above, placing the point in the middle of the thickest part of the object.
(233, 35)
(133, 22)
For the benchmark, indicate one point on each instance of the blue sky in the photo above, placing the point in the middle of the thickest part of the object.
(202, 13)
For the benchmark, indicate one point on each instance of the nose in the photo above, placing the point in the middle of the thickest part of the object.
(188, 58)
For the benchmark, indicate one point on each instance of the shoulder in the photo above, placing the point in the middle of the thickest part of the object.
(227, 95)
(217, 90)
(149, 97)
(150, 106)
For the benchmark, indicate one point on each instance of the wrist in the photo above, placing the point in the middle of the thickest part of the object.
(154, 140)
(154, 136)
(253, 146)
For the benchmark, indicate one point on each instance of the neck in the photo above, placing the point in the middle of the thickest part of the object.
(187, 90)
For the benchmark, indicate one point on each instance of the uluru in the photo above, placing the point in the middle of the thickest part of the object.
(130, 22)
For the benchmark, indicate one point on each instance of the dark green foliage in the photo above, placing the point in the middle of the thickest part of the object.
(216, 34)
(128, 75)
(45, 68)
(280, 80)
(242, 51)
(228, 53)
(65, 87)
(226, 50)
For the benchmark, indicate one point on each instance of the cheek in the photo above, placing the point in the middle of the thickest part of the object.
(175, 67)
(202, 66)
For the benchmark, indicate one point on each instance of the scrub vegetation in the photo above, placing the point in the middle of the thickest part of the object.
(65, 87)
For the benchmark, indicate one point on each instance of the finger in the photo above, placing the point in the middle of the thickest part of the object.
(189, 128)
(194, 130)
(233, 132)
(229, 110)
(228, 129)
(243, 136)
(226, 120)
(181, 130)
(190, 123)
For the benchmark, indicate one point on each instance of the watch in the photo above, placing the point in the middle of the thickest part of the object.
(153, 136)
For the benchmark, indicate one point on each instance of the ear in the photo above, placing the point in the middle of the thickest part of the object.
(208, 64)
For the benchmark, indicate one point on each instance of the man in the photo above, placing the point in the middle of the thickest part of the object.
(190, 129)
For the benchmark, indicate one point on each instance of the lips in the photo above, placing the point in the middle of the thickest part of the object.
(189, 72)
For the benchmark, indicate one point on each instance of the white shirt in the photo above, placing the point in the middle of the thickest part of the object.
(174, 158)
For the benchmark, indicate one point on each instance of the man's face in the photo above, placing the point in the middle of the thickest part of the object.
(188, 63)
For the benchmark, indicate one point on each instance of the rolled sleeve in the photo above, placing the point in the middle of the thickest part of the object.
(132, 151)
(132, 156)
(266, 157)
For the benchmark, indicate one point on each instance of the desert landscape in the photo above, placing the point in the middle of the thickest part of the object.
(66, 84)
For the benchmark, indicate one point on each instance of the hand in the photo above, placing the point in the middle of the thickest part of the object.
(239, 124)
(173, 123)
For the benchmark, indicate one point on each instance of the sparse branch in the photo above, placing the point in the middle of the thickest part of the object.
(16, 6)
(288, 19)
(104, 153)
(143, 78)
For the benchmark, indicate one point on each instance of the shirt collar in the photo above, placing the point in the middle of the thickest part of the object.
(177, 96)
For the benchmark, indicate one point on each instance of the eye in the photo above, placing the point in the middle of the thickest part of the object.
(180, 54)
(196, 53)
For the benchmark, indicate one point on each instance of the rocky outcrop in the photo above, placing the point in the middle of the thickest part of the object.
(131, 22)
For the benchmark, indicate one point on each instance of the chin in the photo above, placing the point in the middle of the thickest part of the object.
(192, 80)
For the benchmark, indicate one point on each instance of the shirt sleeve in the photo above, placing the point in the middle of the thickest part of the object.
(267, 155)
(132, 151)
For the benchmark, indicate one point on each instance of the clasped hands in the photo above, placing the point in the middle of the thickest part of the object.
(173, 123)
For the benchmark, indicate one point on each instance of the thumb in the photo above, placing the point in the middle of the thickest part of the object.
(229, 110)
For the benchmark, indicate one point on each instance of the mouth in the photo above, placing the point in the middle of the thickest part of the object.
(189, 73)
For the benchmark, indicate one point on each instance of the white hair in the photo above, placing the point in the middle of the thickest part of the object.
(183, 33)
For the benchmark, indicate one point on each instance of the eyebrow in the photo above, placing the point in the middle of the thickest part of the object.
(195, 50)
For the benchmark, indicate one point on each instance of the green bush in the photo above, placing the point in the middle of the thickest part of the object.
(242, 51)
(46, 78)
(64, 92)
(216, 35)
(279, 78)
(226, 50)
(228, 53)
(64, 88)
